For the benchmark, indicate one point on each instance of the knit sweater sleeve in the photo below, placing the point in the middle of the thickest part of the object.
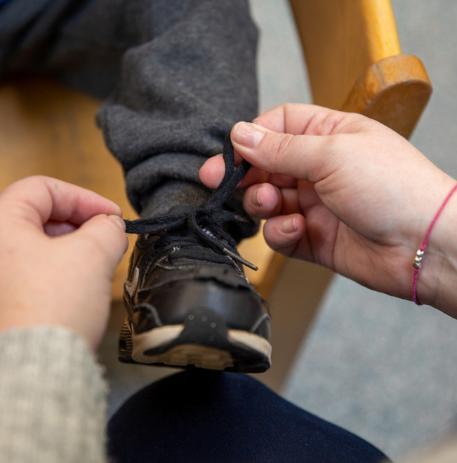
(52, 398)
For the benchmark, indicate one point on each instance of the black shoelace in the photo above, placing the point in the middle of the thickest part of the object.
(206, 221)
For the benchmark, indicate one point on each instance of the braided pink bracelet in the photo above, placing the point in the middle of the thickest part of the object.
(420, 253)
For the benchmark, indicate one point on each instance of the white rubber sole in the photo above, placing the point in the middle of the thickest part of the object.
(192, 354)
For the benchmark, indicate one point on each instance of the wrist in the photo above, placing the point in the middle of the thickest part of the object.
(437, 279)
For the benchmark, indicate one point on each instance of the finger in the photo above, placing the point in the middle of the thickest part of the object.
(58, 228)
(213, 170)
(307, 195)
(300, 119)
(254, 176)
(262, 200)
(295, 119)
(282, 181)
(299, 156)
(103, 236)
(284, 233)
(291, 201)
(40, 199)
(266, 200)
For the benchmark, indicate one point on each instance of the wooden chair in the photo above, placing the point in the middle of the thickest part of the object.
(354, 63)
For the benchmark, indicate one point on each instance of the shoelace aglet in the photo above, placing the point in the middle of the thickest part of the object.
(238, 258)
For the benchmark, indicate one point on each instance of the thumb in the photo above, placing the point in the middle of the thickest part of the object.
(103, 235)
(280, 153)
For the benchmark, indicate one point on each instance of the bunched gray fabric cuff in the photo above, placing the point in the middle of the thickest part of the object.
(52, 398)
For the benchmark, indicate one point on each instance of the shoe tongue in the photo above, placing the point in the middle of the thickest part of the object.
(184, 230)
(213, 246)
(180, 209)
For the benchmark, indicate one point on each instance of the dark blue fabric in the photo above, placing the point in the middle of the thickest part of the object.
(226, 417)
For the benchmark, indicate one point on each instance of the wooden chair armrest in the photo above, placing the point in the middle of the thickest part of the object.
(354, 61)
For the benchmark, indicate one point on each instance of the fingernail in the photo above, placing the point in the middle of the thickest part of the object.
(257, 200)
(119, 221)
(247, 134)
(289, 225)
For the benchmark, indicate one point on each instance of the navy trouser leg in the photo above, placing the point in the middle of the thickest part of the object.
(226, 417)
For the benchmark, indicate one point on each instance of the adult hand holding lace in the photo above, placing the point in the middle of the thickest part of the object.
(348, 193)
(60, 247)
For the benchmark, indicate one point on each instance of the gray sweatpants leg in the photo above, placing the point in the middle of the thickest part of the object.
(175, 76)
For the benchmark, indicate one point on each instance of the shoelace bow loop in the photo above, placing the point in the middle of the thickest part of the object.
(207, 220)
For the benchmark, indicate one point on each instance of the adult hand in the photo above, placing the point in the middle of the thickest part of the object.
(59, 247)
(346, 192)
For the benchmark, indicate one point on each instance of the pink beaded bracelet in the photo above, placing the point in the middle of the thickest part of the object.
(420, 253)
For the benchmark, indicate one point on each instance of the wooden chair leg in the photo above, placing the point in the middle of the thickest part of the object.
(355, 64)
(293, 302)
